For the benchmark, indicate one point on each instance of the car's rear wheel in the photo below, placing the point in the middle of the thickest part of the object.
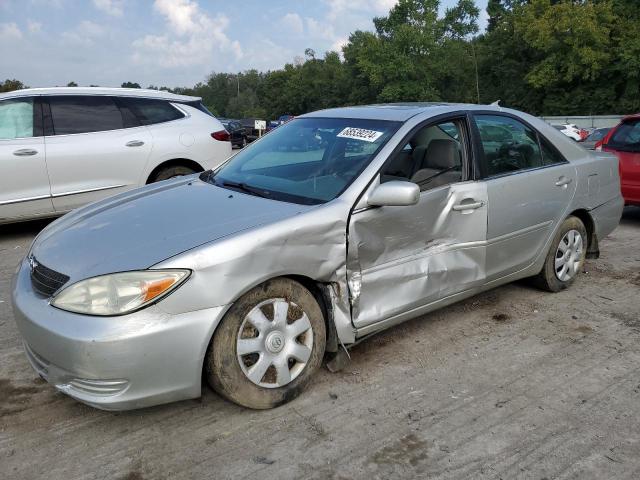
(267, 346)
(566, 256)
(173, 171)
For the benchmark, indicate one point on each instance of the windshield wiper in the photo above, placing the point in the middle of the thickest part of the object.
(243, 187)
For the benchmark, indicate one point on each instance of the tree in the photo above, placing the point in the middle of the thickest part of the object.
(130, 85)
(72, 84)
(413, 51)
(11, 85)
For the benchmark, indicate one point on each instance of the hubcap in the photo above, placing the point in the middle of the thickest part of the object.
(274, 343)
(569, 256)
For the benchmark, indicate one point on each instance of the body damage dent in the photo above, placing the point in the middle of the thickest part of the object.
(401, 258)
(311, 244)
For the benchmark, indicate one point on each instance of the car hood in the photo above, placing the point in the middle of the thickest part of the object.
(140, 228)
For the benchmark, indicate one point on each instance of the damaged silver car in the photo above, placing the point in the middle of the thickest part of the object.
(336, 225)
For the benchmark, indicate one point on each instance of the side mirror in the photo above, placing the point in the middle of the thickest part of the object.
(394, 194)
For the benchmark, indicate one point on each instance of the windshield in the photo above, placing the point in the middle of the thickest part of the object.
(307, 160)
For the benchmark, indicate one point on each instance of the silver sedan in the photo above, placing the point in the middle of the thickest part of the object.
(332, 227)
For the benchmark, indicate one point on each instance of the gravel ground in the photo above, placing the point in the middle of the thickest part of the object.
(513, 383)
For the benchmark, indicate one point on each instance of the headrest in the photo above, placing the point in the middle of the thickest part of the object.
(442, 154)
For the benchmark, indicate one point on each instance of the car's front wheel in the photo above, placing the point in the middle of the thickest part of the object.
(566, 256)
(267, 346)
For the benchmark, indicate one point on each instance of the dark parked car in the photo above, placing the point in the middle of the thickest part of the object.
(236, 132)
(594, 137)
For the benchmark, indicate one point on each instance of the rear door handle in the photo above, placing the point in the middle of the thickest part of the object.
(563, 181)
(135, 143)
(461, 207)
(25, 152)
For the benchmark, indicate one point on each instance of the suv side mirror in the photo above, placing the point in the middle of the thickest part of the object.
(394, 194)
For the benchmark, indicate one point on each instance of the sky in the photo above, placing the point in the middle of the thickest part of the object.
(170, 42)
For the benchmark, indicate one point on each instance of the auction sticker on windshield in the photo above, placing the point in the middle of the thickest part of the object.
(360, 134)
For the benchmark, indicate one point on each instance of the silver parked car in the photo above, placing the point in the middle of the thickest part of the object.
(334, 226)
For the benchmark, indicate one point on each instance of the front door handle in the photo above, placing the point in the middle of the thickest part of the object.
(563, 181)
(461, 207)
(135, 143)
(25, 152)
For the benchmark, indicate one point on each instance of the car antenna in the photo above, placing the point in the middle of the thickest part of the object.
(496, 103)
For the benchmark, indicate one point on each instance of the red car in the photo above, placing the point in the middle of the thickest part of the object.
(624, 141)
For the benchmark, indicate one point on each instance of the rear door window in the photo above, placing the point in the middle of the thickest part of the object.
(509, 145)
(16, 118)
(73, 114)
(151, 111)
(626, 137)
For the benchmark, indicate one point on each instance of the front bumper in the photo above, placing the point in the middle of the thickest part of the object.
(114, 363)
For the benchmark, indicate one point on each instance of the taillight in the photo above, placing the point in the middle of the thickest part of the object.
(221, 136)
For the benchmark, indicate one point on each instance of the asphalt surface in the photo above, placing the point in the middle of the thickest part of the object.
(513, 383)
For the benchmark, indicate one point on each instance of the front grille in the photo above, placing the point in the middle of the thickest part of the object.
(45, 280)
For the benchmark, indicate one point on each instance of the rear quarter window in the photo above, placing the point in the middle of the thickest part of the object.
(199, 106)
(151, 111)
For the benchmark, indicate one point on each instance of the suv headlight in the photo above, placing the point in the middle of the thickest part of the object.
(119, 293)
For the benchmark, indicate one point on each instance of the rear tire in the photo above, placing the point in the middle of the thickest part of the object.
(172, 172)
(268, 345)
(565, 258)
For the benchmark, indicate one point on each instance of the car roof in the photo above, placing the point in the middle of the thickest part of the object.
(400, 112)
(124, 92)
(633, 116)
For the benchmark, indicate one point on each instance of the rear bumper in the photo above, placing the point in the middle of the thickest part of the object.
(114, 363)
(607, 216)
(631, 193)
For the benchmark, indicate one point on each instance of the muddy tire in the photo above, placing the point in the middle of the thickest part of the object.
(171, 172)
(565, 258)
(268, 345)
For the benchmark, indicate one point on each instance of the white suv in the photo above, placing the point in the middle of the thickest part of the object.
(61, 148)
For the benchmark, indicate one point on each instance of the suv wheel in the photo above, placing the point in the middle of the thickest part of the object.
(171, 172)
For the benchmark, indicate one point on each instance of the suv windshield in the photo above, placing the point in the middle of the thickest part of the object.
(307, 160)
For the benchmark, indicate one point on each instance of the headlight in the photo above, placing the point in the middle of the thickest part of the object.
(118, 293)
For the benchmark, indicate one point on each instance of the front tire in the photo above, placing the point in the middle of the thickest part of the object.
(565, 258)
(267, 346)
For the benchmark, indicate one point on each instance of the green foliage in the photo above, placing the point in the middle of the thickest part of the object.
(541, 56)
(11, 85)
(130, 85)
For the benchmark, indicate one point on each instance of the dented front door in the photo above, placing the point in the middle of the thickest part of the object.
(401, 258)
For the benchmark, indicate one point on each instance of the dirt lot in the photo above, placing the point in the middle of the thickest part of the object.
(514, 383)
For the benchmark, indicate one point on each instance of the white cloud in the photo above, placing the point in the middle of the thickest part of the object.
(33, 26)
(110, 7)
(10, 31)
(338, 8)
(339, 44)
(183, 15)
(292, 22)
(195, 38)
(320, 30)
(84, 33)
